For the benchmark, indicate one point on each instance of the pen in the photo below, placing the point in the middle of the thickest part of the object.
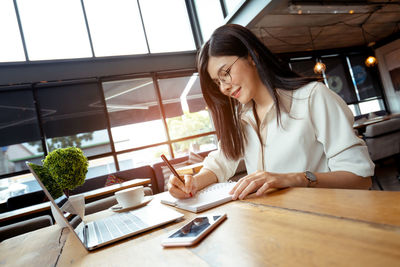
(172, 169)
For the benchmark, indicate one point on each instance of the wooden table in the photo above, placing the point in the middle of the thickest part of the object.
(290, 227)
(363, 123)
(190, 169)
(88, 195)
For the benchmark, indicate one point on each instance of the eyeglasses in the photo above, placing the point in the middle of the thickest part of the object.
(224, 76)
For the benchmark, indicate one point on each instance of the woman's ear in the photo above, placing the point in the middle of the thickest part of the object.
(250, 59)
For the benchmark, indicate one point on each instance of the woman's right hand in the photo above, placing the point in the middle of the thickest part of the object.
(178, 189)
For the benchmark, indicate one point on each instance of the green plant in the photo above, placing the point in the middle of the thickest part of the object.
(52, 186)
(67, 166)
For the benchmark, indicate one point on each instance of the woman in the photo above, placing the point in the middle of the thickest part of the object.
(291, 131)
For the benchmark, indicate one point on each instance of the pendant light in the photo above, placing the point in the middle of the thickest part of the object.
(319, 67)
(370, 61)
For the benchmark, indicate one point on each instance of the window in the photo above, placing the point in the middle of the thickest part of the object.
(73, 115)
(11, 45)
(338, 78)
(54, 29)
(231, 5)
(142, 157)
(210, 16)
(167, 25)
(115, 27)
(134, 112)
(19, 132)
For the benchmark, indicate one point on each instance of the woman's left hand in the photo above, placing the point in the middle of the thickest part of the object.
(261, 181)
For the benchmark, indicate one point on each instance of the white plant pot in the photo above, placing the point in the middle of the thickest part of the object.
(57, 217)
(74, 205)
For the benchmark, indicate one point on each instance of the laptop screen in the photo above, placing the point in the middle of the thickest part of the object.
(67, 207)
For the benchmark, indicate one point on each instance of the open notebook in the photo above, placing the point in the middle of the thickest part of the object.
(209, 197)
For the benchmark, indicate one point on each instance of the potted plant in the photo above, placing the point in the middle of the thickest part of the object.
(63, 170)
(67, 166)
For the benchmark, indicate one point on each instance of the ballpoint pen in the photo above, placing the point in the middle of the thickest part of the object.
(172, 169)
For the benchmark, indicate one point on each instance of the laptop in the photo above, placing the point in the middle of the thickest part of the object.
(98, 233)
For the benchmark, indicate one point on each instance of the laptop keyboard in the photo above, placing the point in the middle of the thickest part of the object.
(116, 226)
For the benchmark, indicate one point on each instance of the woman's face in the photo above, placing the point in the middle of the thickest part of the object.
(244, 83)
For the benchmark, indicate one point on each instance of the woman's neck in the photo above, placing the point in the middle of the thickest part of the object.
(263, 102)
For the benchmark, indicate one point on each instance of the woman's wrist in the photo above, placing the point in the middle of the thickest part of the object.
(300, 179)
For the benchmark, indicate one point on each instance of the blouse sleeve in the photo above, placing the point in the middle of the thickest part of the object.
(220, 165)
(333, 123)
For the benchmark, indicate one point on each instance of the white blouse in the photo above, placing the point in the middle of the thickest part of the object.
(316, 134)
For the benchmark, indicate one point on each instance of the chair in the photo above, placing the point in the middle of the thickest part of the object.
(383, 141)
(26, 226)
(22, 201)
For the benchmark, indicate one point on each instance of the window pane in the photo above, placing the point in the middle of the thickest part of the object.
(134, 113)
(73, 115)
(231, 5)
(17, 185)
(102, 166)
(142, 157)
(11, 48)
(121, 33)
(339, 79)
(367, 86)
(167, 25)
(184, 106)
(369, 106)
(210, 16)
(19, 131)
(200, 144)
(304, 67)
(54, 29)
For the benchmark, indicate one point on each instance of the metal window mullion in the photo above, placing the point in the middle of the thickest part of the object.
(87, 28)
(40, 121)
(21, 32)
(194, 23)
(103, 101)
(224, 9)
(144, 28)
(162, 112)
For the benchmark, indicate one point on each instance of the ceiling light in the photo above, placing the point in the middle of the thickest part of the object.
(371, 61)
(319, 68)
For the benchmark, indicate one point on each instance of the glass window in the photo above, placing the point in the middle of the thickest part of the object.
(184, 106)
(11, 48)
(54, 29)
(231, 5)
(141, 157)
(304, 67)
(19, 131)
(200, 144)
(17, 185)
(167, 25)
(210, 16)
(134, 113)
(73, 115)
(370, 106)
(353, 110)
(121, 33)
(339, 79)
(362, 78)
(101, 166)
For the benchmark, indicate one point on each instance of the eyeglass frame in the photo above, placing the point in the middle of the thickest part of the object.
(227, 71)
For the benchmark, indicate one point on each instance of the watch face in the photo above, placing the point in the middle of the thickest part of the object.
(311, 176)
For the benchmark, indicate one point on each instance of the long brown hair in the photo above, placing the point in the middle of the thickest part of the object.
(236, 40)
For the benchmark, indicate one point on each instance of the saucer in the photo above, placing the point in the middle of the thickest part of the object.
(118, 208)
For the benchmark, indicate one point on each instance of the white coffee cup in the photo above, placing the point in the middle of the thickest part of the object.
(130, 197)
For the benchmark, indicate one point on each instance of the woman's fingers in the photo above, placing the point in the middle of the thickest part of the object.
(177, 193)
(175, 181)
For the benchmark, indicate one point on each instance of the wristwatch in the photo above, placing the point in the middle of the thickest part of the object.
(311, 178)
